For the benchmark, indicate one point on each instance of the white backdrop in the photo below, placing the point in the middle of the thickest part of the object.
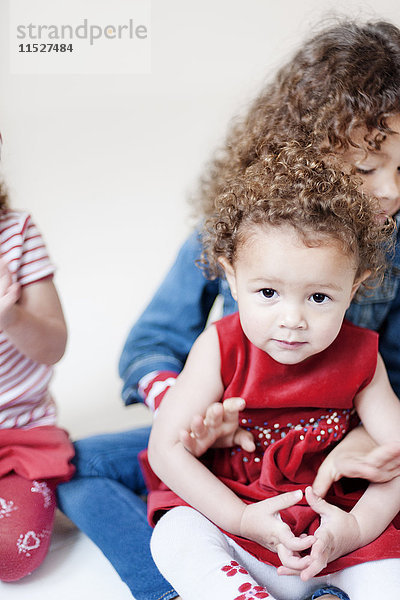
(104, 163)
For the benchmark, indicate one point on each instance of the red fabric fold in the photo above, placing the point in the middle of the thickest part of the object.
(37, 453)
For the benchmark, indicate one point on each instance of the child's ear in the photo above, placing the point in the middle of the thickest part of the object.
(229, 274)
(358, 282)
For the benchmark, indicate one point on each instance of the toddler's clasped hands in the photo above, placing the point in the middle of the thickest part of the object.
(337, 534)
(262, 523)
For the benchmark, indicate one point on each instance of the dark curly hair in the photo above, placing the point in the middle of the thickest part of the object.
(344, 77)
(295, 188)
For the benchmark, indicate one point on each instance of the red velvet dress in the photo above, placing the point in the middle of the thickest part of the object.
(296, 413)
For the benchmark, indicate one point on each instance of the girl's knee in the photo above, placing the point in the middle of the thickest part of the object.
(21, 554)
(184, 532)
(27, 514)
(173, 534)
(180, 523)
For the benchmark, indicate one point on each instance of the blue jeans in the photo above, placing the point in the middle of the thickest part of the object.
(104, 500)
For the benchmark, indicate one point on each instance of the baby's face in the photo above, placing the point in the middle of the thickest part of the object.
(380, 171)
(291, 297)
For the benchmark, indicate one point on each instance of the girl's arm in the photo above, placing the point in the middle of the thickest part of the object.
(341, 532)
(379, 410)
(32, 318)
(198, 386)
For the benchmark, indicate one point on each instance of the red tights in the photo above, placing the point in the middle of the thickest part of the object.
(26, 520)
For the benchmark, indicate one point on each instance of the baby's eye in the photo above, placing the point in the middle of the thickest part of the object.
(319, 298)
(268, 293)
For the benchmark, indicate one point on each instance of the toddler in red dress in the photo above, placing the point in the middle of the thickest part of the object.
(295, 239)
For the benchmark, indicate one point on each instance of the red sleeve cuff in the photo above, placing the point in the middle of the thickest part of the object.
(155, 388)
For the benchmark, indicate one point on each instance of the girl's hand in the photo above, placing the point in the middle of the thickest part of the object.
(219, 429)
(338, 534)
(9, 294)
(262, 523)
(358, 456)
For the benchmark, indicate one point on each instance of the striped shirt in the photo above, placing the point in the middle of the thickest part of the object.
(25, 401)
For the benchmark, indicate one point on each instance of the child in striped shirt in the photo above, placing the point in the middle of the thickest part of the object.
(34, 453)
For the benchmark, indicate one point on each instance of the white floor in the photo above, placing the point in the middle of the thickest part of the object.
(74, 569)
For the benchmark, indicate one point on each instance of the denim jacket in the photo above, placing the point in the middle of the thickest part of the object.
(161, 338)
(379, 309)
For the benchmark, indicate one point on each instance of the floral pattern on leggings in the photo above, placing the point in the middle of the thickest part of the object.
(251, 592)
(247, 590)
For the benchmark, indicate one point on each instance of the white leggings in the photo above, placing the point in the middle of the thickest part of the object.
(204, 564)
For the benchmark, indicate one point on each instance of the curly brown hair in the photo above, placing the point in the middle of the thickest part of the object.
(344, 77)
(297, 189)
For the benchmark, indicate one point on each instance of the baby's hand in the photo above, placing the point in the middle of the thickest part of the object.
(378, 464)
(262, 523)
(337, 535)
(219, 429)
(9, 294)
